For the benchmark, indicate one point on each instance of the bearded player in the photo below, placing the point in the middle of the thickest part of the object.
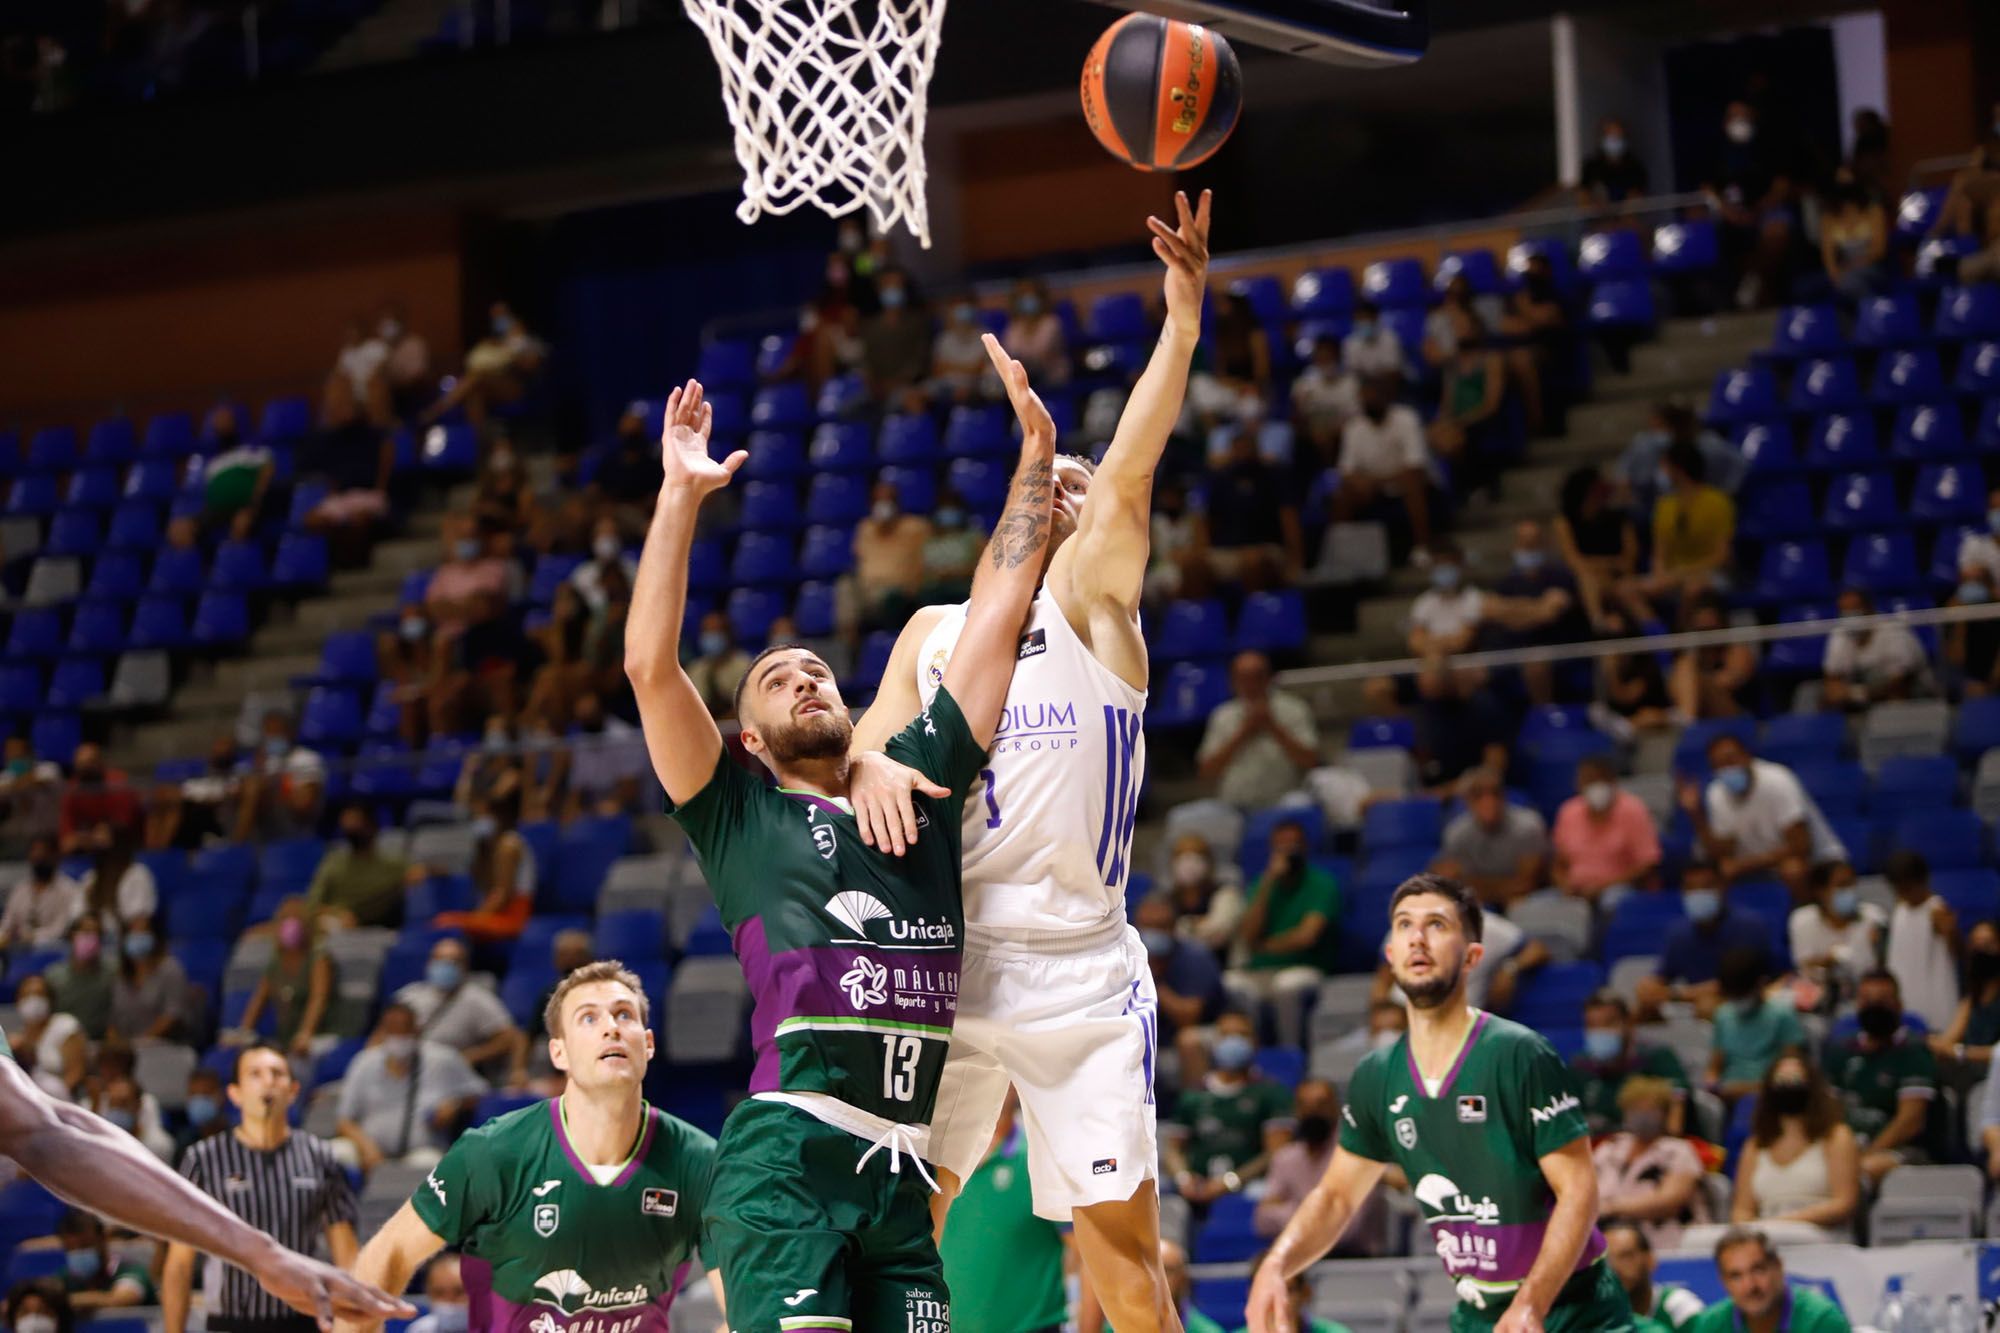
(580, 1210)
(1056, 996)
(1483, 1117)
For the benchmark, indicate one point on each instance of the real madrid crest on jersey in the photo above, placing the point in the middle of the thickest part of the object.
(934, 670)
(1406, 1132)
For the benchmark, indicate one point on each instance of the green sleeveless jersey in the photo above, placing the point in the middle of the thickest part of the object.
(1473, 1151)
(851, 954)
(546, 1248)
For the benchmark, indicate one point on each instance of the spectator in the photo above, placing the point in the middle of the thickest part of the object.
(1174, 1262)
(43, 903)
(42, 1031)
(1289, 934)
(1633, 685)
(503, 873)
(1757, 822)
(1445, 618)
(1371, 349)
(357, 883)
(1632, 1261)
(1613, 174)
(90, 1277)
(896, 341)
(1694, 526)
(1801, 1162)
(1232, 1123)
(1613, 1055)
(1868, 157)
(96, 795)
(237, 474)
(1691, 956)
(41, 1307)
(1258, 745)
(402, 1098)
(1835, 937)
(607, 754)
(1647, 1174)
(1383, 455)
(1185, 976)
(444, 1298)
(952, 554)
(606, 556)
(1752, 1027)
(1866, 666)
(1247, 528)
(1605, 843)
(1006, 1262)
(1753, 1273)
(122, 1105)
(1854, 242)
(719, 667)
(152, 998)
(118, 889)
(628, 482)
(450, 1008)
(569, 950)
(1887, 1077)
(1537, 315)
(1598, 542)
(1460, 729)
(1975, 1028)
(1208, 898)
(469, 588)
(284, 792)
(1238, 363)
(1475, 384)
(959, 364)
(1972, 208)
(202, 1113)
(80, 984)
(1752, 192)
(501, 500)
(1497, 849)
(1459, 315)
(1325, 396)
(355, 462)
(544, 769)
(1034, 335)
(1718, 680)
(566, 669)
(1641, 469)
(202, 808)
(31, 796)
(1297, 1166)
(889, 557)
(498, 370)
(297, 983)
(408, 659)
(62, 1060)
(1175, 567)
(1922, 948)
(1536, 608)
(405, 369)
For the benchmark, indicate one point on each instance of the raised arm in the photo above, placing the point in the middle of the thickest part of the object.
(680, 735)
(982, 665)
(1106, 561)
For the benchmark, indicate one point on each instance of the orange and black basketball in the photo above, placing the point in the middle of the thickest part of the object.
(1160, 93)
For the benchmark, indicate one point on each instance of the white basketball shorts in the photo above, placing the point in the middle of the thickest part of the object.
(1072, 1022)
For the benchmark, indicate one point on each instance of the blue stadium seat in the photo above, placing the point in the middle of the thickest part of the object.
(1949, 839)
(775, 455)
(589, 849)
(1382, 732)
(708, 938)
(1686, 247)
(550, 573)
(773, 351)
(836, 499)
(762, 558)
(74, 532)
(751, 611)
(75, 683)
(1408, 326)
(1322, 292)
(1191, 693)
(1638, 924)
(1622, 303)
(153, 480)
(730, 418)
(347, 658)
(228, 868)
(1907, 376)
(1978, 368)
(1986, 425)
(1553, 996)
(1396, 284)
(33, 494)
(980, 482)
(52, 449)
(177, 572)
(1976, 729)
(525, 987)
(1118, 317)
(98, 629)
(1775, 509)
(93, 488)
(1387, 825)
(169, 435)
(159, 622)
(1928, 430)
(632, 933)
(842, 396)
(1272, 622)
(1972, 891)
(301, 561)
(1949, 493)
(1862, 501)
(36, 632)
(1283, 1065)
(1746, 394)
(1691, 751)
(908, 438)
(1807, 330)
(238, 567)
(20, 689)
(55, 733)
(221, 620)
(331, 718)
(113, 443)
(135, 526)
(1968, 312)
(916, 487)
(976, 432)
(1768, 448)
(706, 567)
(1881, 563)
(1839, 441)
(873, 659)
(1611, 254)
(727, 363)
(286, 420)
(781, 406)
(770, 506)
(1801, 655)
(205, 959)
(814, 611)
(1543, 247)
(842, 446)
(826, 552)
(289, 863)
(1825, 384)
(1264, 293)
(1479, 268)
(1917, 213)
(1888, 321)
(1906, 783)
(1811, 738)
(451, 448)
(1192, 631)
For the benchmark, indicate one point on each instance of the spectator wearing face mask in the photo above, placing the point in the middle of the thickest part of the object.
(889, 558)
(38, 1306)
(1372, 349)
(498, 369)
(90, 1278)
(202, 1113)
(402, 1098)
(1247, 527)
(201, 808)
(1325, 395)
(718, 665)
(503, 873)
(1694, 526)
(1208, 898)
(1646, 1173)
(1297, 1166)
(1854, 242)
(1757, 821)
(896, 341)
(1973, 650)
(952, 553)
(96, 795)
(1605, 843)
(1641, 469)
(1887, 1077)
(1475, 385)
(284, 792)
(31, 794)
(1290, 933)
(43, 1032)
(1536, 314)
(1922, 948)
(1383, 456)
(1539, 607)
(1975, 1028)
(297, 983)
(1231, 1124)
(607, 554)
(959, 364)
(606, 756)
(1752, 190)
(469, 588)
(1836, 937)
(1613, 173)
(444, 1294)
(43, 902)
(1034, 335)
(151, 999)
(124, 1106)
(408, 659)
(1866, 666)
(80, 984)
(453, 1009)
(1691, 954)
(358, 883)
(1185, 976)
(1753, 1026)
(1613, 1055)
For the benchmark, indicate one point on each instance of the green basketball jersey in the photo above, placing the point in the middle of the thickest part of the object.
(549, 1250)
(1473, 1151)
(851, 954)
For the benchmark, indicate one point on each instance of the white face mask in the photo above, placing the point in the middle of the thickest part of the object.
(1740, 131)
(33, 1008)
(1190, 868)
(884, 510)
(35, 1323)
(1599, 795)
(399, 1048)
(606, 547)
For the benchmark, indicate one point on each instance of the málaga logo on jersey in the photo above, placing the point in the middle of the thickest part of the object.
(866, 983)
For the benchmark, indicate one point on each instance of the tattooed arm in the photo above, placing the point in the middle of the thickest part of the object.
(983, 663)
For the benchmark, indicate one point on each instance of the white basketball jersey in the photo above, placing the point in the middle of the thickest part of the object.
(1048, 831)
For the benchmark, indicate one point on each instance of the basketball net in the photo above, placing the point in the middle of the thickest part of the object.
(827, 105)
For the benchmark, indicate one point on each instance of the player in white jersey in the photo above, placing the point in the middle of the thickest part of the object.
(1056, 997)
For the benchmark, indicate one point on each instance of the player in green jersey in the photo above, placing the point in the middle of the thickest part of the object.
(1484, 1118)
(851, 953)
(1633, 1262)
(574, 1215)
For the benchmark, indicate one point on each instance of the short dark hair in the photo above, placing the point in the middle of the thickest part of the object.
(1608, 999)
(1725, 738)
(1638, 1233)
(1470, 914)
(1906, 867)
(236, 1065)
(1598, 763)
(79, 1222)
(743, 681)
(1880, 974)
(1686, 455)
(1744, 1236)
(1740, 972)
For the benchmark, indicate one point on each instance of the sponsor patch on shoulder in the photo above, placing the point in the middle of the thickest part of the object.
(1033, 644)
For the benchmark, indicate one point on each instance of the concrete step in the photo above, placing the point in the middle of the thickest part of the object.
(270, 665)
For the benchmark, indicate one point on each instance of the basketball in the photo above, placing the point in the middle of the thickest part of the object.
(1161, 94)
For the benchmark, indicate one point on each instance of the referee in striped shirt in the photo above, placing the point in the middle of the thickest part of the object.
(287, 1185)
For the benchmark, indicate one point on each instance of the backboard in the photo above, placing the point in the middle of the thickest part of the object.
(1340, 32)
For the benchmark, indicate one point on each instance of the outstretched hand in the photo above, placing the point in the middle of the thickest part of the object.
(1036, 423)
(324, 1293)
(1269, 1309)
(1184, 249)
(684, 460)
(881, 791)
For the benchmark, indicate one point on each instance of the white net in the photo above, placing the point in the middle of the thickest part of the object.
(827, 100)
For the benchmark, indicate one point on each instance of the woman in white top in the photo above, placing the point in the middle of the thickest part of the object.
(1207, 897)
(118, 889)
(1801, 1163)
(1837, 937)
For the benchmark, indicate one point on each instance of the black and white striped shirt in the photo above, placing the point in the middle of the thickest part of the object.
(292, 1193)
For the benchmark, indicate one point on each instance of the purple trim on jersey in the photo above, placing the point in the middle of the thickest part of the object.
(487, 1311)
(800, 983)
(812, 798)
(556, 1125)
(582, 1169)
(1506, 1253)
(1444, 1088)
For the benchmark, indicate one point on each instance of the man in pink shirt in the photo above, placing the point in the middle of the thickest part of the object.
(470, 587)
(1604, 837)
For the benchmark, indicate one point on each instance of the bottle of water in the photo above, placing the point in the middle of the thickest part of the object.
(1958, 1316)
(1921, 1316)
(1890, 1316)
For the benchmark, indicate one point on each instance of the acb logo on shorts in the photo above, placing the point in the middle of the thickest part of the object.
(1104, 1166)
(547, 1217)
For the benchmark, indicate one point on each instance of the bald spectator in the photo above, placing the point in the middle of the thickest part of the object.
(96, 795)
(1260, 744)
(451, 1008)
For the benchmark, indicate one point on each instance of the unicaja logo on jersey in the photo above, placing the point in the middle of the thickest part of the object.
(866, 983)
(1449, 1204)
(855, 910)
(1541, 1115)
(922, 930)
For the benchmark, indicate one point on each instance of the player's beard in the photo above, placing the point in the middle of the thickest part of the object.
(813, 737)
(1435, 990)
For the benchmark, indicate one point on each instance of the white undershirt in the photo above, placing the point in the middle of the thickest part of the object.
(604, 1175)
